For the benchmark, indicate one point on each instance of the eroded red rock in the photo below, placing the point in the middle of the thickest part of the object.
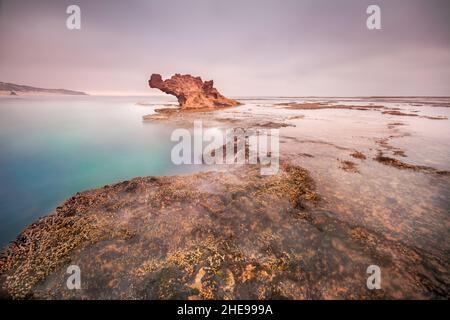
(192, 92)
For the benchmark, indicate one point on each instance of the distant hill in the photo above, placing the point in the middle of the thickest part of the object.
(17, 89)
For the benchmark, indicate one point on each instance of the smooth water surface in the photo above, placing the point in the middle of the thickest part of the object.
(53, 147)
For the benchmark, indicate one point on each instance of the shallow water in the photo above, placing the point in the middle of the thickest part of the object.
(53, 147)
(409, 206)
(396, 218)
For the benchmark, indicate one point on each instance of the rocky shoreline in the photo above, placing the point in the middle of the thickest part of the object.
(179, 225)
(228, 233)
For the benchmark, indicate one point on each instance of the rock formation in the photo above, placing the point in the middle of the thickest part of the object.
(192, 92)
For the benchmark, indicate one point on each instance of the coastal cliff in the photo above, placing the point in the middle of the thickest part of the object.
(12, 89)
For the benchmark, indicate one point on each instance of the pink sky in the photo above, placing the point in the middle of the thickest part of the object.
(249, 47)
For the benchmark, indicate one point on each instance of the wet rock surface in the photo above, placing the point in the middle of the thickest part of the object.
(402, 165)
(149, 237)
(215, 235)
(309, 232)
(393, 111)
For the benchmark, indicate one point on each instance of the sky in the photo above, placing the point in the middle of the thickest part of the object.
(248, 47)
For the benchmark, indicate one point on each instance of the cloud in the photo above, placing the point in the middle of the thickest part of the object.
(263, 47)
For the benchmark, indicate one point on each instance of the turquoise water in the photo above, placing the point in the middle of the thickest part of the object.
(53, 147)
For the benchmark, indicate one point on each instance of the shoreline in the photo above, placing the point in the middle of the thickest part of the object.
(72, 225)
(40, 94)
(227, 234)
(127, 230)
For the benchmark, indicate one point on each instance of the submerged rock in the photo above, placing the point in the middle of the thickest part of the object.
(230, 234)
(192, 92)
(163, 238)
